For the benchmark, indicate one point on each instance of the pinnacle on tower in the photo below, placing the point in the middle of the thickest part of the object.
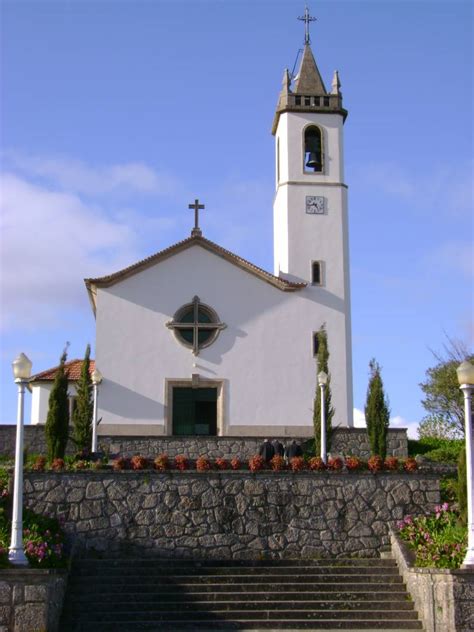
(336, 84)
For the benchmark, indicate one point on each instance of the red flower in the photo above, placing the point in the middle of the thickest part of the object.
(235, 463)
(161, 463)
(57, 465)
(181, 462)
(256, 463)
(353, 463)
(222, 464)
(138, 462)
(410, 465)
(119, 463)
(316, 464)
(203, 464)
(297, 463)
(391, 463)
(277, 463)
(375, 464)
(335, 463)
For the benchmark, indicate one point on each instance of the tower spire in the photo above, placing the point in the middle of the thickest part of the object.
(306, 18)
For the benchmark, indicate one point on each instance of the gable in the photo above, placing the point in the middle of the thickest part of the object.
(206, 244)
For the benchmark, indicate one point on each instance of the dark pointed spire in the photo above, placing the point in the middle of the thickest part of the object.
(308, 79)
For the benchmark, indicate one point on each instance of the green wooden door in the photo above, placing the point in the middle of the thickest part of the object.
(194, 411)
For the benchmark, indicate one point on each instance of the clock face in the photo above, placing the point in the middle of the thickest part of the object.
(315, 204)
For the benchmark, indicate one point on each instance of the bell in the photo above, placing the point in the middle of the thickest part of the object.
(314, 162)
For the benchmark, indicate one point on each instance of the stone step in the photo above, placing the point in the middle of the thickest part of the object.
(172, 564)
(107, 571)
(397, 598)
(241, 578)
(276, 614)
(78, 605)
(244, 625)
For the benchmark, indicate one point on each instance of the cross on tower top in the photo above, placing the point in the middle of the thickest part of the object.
(196, 231)
(306, 18)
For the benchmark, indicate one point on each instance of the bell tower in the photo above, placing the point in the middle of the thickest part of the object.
(310, 208)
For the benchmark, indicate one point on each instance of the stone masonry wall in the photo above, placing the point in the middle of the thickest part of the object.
(344, 441)
(232, 515)
(443, 598)
(31, 599)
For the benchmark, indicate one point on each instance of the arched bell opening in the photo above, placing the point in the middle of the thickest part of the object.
(313, 150)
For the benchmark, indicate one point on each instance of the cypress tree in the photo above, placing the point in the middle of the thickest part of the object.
(377, 412)
(57, 421)
(82, 414)
(322, 364)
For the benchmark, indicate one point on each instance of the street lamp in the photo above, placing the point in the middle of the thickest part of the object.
(465, 373)
(21, 372)
(322, 381)
(96, 380)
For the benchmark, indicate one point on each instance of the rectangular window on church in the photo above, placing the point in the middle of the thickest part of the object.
(316, 273)
(315, 344)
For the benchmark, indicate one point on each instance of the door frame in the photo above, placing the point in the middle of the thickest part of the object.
(194, 382)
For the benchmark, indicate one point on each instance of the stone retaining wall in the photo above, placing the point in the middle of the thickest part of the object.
(344, 441)
(31, 599)
(443, 598)
(232, 515)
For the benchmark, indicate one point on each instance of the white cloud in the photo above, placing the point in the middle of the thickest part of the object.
(395, 422)
(426, 192)
(76, 176)
(50, 241)
(456, 255)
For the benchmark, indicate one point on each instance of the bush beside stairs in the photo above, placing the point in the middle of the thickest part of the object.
(124, 593)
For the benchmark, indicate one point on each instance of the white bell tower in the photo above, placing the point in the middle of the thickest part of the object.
(310, 211)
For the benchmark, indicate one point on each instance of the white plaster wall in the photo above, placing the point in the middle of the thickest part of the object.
(40, 400)
(264, 355)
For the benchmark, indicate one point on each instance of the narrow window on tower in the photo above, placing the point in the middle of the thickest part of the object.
(316, 273)
(313, 151)
(315, 344)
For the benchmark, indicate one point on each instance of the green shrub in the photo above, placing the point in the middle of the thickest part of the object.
(438, 540)
(435, 449)
(462, 486)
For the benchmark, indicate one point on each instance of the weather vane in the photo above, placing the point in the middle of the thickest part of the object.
(306, 18)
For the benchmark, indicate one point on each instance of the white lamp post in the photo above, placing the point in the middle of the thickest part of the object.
(21, 372)
(322, 381)
(465, 373)
(96, 380)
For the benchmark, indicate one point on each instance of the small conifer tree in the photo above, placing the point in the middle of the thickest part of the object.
(82, 414)
(377, 412)
(57, 421)
(322, 360)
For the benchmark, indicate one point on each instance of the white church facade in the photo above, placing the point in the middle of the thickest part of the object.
(195, 340)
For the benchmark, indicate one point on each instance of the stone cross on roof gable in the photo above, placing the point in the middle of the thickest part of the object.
(196, 231)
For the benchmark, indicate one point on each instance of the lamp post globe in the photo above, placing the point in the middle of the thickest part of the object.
(465, 373)
(21, 373)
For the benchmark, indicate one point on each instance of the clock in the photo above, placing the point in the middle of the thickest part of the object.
(315, 204)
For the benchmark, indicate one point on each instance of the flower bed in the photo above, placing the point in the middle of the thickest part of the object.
(204, 463)
(438, 540)
(43, 538)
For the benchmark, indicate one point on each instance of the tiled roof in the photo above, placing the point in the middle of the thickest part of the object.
(73, 368)
(111, 279)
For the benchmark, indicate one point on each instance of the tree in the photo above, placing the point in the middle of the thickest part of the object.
(377, 412)
(322, 364)
(57, 421)
(444, 400)
(435, 428)
(82, 414)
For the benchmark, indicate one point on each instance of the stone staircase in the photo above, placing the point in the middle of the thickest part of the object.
(127, 594)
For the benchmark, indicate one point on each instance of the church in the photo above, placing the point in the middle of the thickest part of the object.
(195, 340)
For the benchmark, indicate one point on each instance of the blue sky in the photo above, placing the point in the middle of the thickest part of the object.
(115, 115)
